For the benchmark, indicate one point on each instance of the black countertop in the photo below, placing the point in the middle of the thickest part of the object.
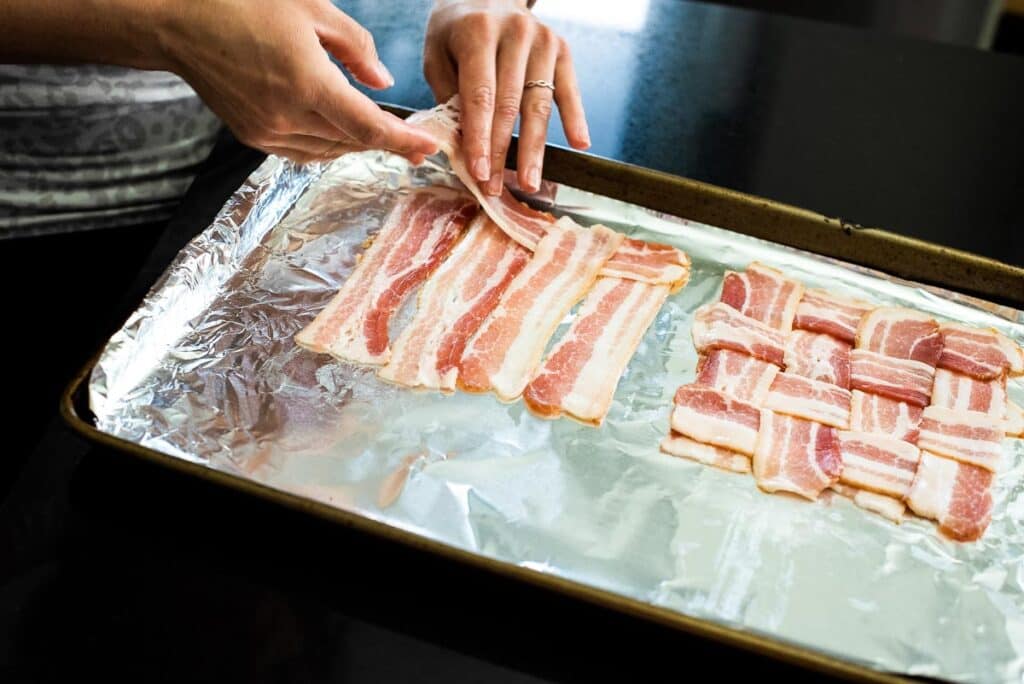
(111, 567)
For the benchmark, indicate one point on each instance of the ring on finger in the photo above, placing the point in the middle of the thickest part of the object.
(539, 83)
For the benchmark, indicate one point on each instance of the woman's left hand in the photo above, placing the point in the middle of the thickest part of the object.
(487, 50)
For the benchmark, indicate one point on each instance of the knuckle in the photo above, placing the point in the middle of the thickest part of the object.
(480, 21)
(540, 108)
(545, 37)
(482, 97)
(520, 25)
(473, 29)
(564, 49)
(363, 41)
(376, 134)
(278, 122)
(507, 109)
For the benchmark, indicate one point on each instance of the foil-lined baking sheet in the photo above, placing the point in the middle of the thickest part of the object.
(207, 370)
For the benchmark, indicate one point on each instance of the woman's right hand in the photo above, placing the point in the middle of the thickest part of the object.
(263, 67)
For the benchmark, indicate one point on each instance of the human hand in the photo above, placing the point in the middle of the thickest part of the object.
(486, 50)
(263, 67)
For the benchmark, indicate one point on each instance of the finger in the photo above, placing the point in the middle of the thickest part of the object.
(440, 75)
(513, 54)
(366, 123)
(536, 110)
(476, 88)
(353, 45)
(570, 102)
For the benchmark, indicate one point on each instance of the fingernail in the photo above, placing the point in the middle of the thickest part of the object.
(533, 178)
(482, 169)
(385, 73)
(494, 185)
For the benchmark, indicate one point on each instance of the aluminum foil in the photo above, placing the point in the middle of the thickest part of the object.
(206, 370)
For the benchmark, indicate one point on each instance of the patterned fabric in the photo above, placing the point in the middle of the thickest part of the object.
(91, 146)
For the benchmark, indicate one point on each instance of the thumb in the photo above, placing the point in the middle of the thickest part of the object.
(353, 46)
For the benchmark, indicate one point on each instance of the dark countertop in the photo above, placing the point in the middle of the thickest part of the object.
(112, 567)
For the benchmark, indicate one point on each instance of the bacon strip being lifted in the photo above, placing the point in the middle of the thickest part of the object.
(962, 435)
(796, 455)
(884, 416)
(885, 506)
(711, 417)
(982, 353)
(737, 375)
(818, 357)
(902, 334)
(877, 463)
(637, 260)
(679, 445)
(899, 379)
(764, 294)
(418, 234)
(452, 305)
(580, 374)
(957, 495)
(824, 312)
(719, 326)
(802, 397)
(506, 350)
(964, 393)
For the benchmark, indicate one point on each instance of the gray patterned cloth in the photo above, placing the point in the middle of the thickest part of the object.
(90, 146)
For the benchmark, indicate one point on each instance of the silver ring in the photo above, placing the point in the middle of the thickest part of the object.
(540, 84)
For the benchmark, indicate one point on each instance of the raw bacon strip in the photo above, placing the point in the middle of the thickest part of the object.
(738, 375)
(452, 304)
(823, 312)
(885, 506)
(981, 353)
(795, 455)
(719, 326)
(579, 376)
(505, 351)
(964, 393)
(649, 262)
(635, 259)
(521, 223)
(676, 444)
(1014, 425)
(419, 233)
(805, 398)
(957, 495)
(712, 417)
(964, 436)
(764, 294)
(877, 463)
(818, 357)
(902, 334)
(899, 379)
(884, 416)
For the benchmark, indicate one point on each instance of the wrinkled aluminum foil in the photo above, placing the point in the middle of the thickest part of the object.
(207, 370)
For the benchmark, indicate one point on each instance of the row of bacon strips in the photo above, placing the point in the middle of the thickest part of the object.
(489, 305)
(812, 391)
